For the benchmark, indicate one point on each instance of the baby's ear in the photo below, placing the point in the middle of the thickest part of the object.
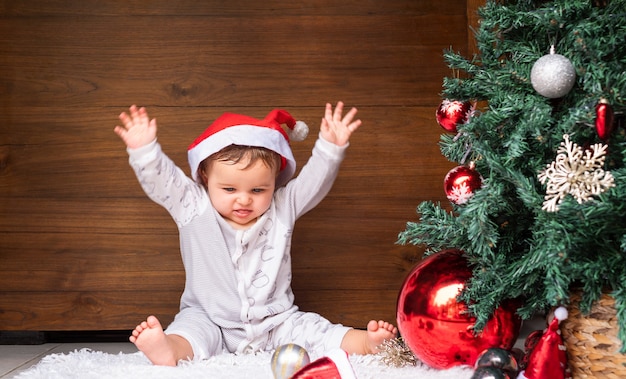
(203, 176)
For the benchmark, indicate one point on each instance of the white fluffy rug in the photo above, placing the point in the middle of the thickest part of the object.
(88, 364)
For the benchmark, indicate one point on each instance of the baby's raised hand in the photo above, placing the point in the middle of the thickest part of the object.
(336, 129)
(137, 130)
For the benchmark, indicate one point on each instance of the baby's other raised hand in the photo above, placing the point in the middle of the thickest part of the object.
(336, 129)
(137, 130)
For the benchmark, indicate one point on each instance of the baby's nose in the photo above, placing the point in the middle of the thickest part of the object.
(245, 199)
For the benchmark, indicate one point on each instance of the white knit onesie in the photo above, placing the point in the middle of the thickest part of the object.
(238, 295)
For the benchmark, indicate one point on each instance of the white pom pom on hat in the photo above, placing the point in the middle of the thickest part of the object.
(235, 129)
(299, 132)
(560, 313)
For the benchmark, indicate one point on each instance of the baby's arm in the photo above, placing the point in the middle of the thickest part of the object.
(336, 129)
(318, 174)
(160, 178)
(137, 130)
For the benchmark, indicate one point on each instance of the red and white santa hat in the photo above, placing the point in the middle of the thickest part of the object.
(235, 129)
(548, 359)
(334, 365)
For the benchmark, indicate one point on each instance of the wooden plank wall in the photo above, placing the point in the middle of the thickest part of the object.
(82, 248)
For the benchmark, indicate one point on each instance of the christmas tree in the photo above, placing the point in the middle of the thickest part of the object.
(535, 122)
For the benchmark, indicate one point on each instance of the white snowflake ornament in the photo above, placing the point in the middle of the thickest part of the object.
(576, 172)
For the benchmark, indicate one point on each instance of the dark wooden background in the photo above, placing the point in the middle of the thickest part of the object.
(81, 246)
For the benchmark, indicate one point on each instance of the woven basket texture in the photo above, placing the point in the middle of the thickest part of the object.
(591, 340)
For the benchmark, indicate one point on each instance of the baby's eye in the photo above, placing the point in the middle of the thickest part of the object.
(258, 190)
(228, 189)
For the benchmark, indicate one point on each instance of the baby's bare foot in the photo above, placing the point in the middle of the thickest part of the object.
(152, 341)
(378, 332)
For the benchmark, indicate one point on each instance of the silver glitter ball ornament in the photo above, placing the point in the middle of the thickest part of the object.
(553, 75)
(287, 359)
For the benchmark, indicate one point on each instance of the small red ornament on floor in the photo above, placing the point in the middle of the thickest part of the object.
(532, 340)
(461, 182)
(548, 359)
(452, 113)
(335, 365)
(604, 119)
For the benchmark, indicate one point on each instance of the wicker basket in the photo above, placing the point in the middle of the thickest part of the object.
(591, 341)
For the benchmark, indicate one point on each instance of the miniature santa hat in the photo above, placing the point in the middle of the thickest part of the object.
(548, 359)
(334, 365)
(235, 129)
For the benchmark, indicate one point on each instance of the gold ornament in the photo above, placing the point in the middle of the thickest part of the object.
(396, 353)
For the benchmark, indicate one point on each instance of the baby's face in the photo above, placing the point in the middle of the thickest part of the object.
(241, 192)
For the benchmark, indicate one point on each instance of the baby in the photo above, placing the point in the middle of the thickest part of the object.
(235, 217)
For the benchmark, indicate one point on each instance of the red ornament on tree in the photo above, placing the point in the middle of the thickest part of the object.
(436, 327)
(461, 182)
(450, 114)
(604, 119)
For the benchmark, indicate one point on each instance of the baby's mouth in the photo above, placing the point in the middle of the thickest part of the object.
(242, 212)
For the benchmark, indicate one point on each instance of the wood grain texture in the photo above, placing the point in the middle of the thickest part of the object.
(81, 246)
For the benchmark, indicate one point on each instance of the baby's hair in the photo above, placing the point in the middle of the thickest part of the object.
(235, 153)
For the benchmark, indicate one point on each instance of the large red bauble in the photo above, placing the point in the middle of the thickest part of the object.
(452, 113)
(460, 184)
(435, 325)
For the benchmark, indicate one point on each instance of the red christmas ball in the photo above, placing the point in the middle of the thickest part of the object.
(460, 183)
(435, 325)
(604, 119)
(450, 114)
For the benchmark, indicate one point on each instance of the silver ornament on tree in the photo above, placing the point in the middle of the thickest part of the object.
(553, 75)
